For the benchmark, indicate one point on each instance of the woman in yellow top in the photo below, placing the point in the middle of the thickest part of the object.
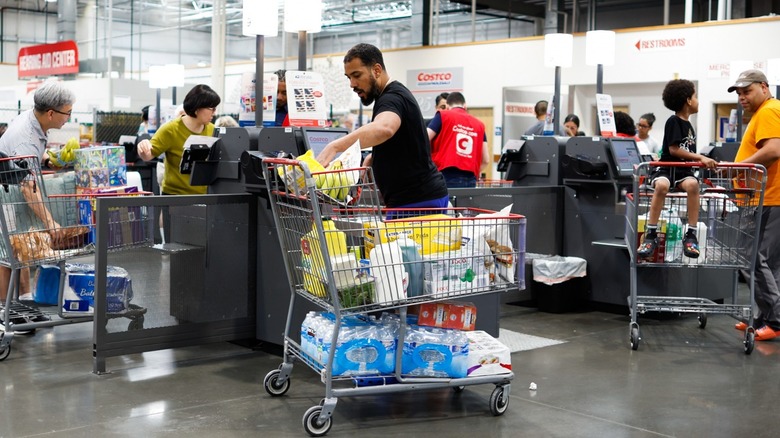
(200, 104)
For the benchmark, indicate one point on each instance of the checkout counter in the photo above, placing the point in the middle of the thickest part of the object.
(573, 192)
(597, 175)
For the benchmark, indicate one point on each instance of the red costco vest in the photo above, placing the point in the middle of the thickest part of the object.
(459, 142)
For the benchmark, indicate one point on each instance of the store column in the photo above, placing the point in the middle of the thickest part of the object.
(218, 30)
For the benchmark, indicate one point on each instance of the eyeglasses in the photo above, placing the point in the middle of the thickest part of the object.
(63, 113)
(639, 125)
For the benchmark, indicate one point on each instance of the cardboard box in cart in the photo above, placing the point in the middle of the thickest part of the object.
(448, 314)
(434, 233)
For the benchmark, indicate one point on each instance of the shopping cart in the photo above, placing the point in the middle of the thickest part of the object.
(38, 229)
(730, 203)
(327, 222)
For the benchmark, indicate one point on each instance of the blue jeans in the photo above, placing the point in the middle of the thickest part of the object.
(457, 179)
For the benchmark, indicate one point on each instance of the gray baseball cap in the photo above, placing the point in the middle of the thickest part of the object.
(748, 77)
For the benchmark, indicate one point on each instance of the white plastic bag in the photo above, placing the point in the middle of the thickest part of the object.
(557, 269)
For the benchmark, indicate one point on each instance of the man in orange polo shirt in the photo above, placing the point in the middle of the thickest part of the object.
(761, 145)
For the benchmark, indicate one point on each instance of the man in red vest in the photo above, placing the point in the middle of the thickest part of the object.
(458, 143)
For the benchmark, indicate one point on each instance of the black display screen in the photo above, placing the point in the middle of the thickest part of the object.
(317, 138)
(626, 155)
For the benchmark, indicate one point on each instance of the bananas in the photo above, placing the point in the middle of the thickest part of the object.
(335, 184)
(64, 156)
(68, 152)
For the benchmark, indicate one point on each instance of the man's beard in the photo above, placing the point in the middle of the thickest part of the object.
(371, 94)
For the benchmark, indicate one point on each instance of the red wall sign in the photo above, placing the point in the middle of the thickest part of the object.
(48, 59)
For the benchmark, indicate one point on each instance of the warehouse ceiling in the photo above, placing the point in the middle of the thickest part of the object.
(350, 16)
(337, 14)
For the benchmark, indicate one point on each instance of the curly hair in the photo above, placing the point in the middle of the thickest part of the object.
(676, 94)
(624, 124)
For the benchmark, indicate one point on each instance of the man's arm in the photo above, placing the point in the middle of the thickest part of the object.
(485, 154)
(767, 154)
(34, 200)
(384, 126)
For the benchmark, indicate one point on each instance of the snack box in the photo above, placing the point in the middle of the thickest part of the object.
(448, 314)
(434, 233)
(487, 356)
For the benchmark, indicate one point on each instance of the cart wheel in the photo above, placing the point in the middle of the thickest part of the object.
(634, 338)
(311, 422)
(458, 389)
(136, 323)
(702, 320)
(5, 352)
(497, 403)
(750, 341)
(272, 385)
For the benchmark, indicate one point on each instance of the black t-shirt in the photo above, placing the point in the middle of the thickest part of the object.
(403, 167)
(677, 132)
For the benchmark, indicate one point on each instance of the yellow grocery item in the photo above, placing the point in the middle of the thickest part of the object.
(293, 175)
(312, 258)
(335, 184)
(434, 233)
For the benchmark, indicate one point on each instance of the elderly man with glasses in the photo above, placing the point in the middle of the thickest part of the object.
(27, 135)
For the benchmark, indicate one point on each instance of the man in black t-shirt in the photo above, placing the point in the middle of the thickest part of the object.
(401, 157)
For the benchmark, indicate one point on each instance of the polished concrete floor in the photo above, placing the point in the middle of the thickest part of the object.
(683, 382)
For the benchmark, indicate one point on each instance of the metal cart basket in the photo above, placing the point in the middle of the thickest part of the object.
(38, 229)
(729, 209)
(342, 252)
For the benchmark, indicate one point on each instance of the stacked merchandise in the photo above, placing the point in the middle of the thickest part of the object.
(78, 295)
(101, 171)
(435, 255)
(366, 346)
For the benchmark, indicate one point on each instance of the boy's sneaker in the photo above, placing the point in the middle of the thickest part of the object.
(691, 245)
(648, 246)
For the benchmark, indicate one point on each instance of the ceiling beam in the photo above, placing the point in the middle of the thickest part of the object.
(514, 7)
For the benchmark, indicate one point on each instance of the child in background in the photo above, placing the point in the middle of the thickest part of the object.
(679, 145)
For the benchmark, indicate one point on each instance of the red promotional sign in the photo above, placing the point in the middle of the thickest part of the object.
(48, 59)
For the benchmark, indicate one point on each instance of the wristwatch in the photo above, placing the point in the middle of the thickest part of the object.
(46, 162)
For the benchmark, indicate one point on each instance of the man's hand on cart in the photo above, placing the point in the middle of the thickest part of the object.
(56, 231)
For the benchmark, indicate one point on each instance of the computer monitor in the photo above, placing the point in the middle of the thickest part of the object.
(317, 138)
(625, 154)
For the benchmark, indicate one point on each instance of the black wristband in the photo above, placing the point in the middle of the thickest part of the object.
(46, 162)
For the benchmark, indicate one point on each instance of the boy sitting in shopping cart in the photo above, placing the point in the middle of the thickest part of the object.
(679, 145)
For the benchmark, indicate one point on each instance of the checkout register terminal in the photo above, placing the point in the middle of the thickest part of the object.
(625, 155)
(315, 139)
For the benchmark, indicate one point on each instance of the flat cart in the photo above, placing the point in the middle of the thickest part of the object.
(326, 222)
(40, 229)
(730, 204)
